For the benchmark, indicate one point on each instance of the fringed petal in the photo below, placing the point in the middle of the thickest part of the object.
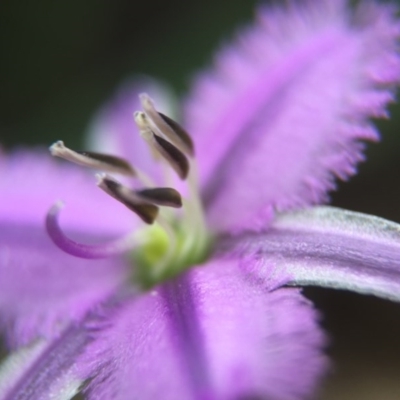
(214, 333)
(329, 247)
(41, 287)
(288, 105)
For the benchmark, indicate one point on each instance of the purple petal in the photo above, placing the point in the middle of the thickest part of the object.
(42, 288)
(31, 182)
(215, 333)
(286, 108)
(330, 247)
(114, 131)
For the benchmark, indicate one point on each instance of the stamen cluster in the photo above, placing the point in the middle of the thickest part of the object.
(175, 240)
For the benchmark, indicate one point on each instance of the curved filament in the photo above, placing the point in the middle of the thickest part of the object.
(76, 249)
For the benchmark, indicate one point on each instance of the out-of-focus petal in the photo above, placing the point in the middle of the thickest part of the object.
(330, 247)
(44, 370)
(215, 333)
(31, 182)
(42, 288)
(286, 109)
(114, 131)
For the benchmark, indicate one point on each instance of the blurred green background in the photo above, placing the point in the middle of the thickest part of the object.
(61, 60)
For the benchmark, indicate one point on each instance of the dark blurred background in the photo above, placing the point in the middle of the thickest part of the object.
(61, 60)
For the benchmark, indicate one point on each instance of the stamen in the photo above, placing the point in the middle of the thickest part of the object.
(161, 196)
(145, 132)
(76, 249)
(168, 151)
(103, 162)
(146, 211)
(168, 127)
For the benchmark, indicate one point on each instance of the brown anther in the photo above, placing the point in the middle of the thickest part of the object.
(180, 132)
(173, 155)
(161, 196)
(146, 211)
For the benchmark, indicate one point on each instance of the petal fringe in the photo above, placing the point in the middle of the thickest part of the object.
(288, 104)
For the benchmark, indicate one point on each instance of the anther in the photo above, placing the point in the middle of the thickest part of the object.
(168, 127)
(167, 150)
(102, 162)
(146, 211)
(161, 196)
(175, 157)
(180, 132)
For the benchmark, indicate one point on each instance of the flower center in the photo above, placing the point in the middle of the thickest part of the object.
(158, 259)
(175, 236)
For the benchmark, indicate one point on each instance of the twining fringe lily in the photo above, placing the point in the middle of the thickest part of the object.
(173, 279)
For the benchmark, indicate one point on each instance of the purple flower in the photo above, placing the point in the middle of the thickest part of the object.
(194, 299)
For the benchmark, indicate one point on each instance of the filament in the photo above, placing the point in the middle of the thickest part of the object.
(81, 250)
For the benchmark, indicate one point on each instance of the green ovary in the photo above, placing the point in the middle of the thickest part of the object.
(161, 258)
